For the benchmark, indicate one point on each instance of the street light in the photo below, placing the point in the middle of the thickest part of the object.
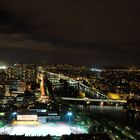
(69, 115)
(14, 113)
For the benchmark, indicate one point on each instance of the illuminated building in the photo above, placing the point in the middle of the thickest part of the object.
(24, 72)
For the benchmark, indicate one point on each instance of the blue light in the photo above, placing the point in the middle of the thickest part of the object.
(14, 113)
(69, 117)
(69, 113)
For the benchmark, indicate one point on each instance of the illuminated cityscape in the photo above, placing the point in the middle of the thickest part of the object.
(69, 70)
(55, 101)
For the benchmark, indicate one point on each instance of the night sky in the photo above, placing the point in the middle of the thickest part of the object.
(82, 32)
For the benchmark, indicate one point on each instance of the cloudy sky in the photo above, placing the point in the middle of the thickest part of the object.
(82, 32)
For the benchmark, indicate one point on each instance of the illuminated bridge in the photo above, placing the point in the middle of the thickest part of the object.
(94, 100)
(93, 96)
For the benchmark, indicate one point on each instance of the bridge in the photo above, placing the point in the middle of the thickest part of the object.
(93, 95)
(54, 78)
(94, 100)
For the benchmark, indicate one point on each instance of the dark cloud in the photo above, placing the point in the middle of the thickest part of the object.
(74, 31)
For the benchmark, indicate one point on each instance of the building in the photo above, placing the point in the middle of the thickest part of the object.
(25, 72)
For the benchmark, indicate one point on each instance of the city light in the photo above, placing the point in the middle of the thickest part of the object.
(3, 67)
(2, 113)
(14, 113)
(96, 70)
(31, 129)
(85, 96)
(69, 117)
(69, 113)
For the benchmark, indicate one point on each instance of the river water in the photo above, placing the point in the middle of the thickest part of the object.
(112, 113)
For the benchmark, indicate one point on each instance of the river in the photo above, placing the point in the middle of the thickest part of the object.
(112, 113)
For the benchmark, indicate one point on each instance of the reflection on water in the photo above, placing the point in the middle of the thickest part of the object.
(111, 113)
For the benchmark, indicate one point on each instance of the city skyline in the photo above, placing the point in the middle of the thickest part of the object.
(74, 101)
(76, 32)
